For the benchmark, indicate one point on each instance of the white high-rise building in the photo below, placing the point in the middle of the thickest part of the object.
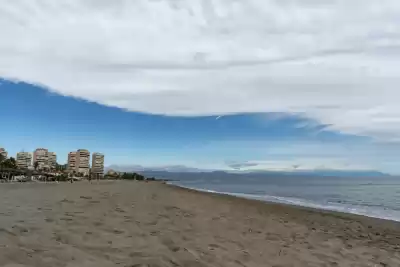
(41, 156)
(3, 152)
(52, 160)
(24, 160)
(97, 164)
(71, 162)
(82, 161)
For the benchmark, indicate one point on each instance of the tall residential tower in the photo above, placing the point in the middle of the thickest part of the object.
(71, 162)
(41, 158)
(97, 165)
(79, 161)
(82, 161)
(24, 160)
(3, 152)
(52, 160)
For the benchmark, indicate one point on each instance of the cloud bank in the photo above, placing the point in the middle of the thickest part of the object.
(334, 61)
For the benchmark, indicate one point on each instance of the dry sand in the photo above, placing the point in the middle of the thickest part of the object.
(151, 224)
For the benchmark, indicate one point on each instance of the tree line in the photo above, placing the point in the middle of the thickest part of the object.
(9, 163)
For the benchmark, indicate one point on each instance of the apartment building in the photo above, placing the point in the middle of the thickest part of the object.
(41, 158)
(97, 164)
(24, 160)
(82, 161)
(3, 152)
(71, 166)
(52, 160)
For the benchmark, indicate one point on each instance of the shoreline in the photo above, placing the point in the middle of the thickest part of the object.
(224, 194)
(333, 213)
(315, 207)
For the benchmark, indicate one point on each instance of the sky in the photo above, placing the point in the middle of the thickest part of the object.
(209, 84)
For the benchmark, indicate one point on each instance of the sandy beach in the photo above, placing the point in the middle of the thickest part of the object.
(152, 224)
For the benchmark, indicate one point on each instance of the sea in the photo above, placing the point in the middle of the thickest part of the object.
(377, 197)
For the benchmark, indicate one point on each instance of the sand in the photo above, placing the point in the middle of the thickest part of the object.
(151, 224)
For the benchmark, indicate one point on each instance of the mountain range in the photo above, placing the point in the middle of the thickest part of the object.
(178, 172)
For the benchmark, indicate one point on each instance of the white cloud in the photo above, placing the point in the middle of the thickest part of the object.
(336, 61)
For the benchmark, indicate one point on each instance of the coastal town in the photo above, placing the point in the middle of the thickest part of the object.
(42, 164)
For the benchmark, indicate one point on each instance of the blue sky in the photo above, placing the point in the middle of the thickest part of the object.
(145, 81)
(34, 117)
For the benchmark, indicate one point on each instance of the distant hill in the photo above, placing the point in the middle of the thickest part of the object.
(178, 172)
(139, 168)
(339, 173)
(223, 175)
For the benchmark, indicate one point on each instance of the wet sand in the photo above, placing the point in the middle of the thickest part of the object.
(151, 224)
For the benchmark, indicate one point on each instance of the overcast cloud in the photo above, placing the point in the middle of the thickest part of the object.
(336, 61)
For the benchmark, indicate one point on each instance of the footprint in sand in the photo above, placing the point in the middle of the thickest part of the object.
(98, 224)
(5, 231)
(66, 201)
(170, 244)
(20, 229)
(66, 219)
(213, 246)
(118, 232)
(118, 209)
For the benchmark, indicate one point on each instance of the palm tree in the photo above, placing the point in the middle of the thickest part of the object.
(9, 163)
(13, 163)
(36, 165)
(2, 159)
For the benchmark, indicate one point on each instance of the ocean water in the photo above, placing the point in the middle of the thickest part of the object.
(373, 197)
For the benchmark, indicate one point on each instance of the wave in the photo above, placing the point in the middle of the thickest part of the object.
(368, 211)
